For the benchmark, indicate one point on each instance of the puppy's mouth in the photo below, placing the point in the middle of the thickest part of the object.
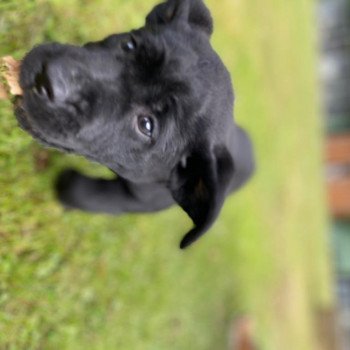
(42, 86)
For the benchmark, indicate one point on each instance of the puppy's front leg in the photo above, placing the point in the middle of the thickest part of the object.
(78, 191)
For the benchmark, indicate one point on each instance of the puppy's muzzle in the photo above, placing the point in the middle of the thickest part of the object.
(59, 83)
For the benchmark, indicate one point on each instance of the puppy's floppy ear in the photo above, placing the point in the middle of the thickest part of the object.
(193, 11)
(199, 184)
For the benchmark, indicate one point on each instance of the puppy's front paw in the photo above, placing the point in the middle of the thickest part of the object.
(67, 188)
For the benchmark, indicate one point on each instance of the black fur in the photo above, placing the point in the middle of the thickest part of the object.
(89, 100)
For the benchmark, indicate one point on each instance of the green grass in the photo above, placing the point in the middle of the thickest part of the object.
(71, 280)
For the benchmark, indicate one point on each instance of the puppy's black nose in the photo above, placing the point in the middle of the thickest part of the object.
(42, 84)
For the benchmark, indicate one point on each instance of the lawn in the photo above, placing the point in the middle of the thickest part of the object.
(70, 280)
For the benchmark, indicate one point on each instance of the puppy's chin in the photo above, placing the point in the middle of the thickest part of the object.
(27, 125)
(23, 117)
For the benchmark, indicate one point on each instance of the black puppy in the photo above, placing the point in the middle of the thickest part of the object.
(154, 105)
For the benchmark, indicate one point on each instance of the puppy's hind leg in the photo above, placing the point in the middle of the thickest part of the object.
(77, 191)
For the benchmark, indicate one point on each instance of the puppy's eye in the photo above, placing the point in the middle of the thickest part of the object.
(129, 45)
(145, 125)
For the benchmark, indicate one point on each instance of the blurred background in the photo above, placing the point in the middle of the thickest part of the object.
(274, 271)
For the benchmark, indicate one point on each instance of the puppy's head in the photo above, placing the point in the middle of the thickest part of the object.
(154, 105)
